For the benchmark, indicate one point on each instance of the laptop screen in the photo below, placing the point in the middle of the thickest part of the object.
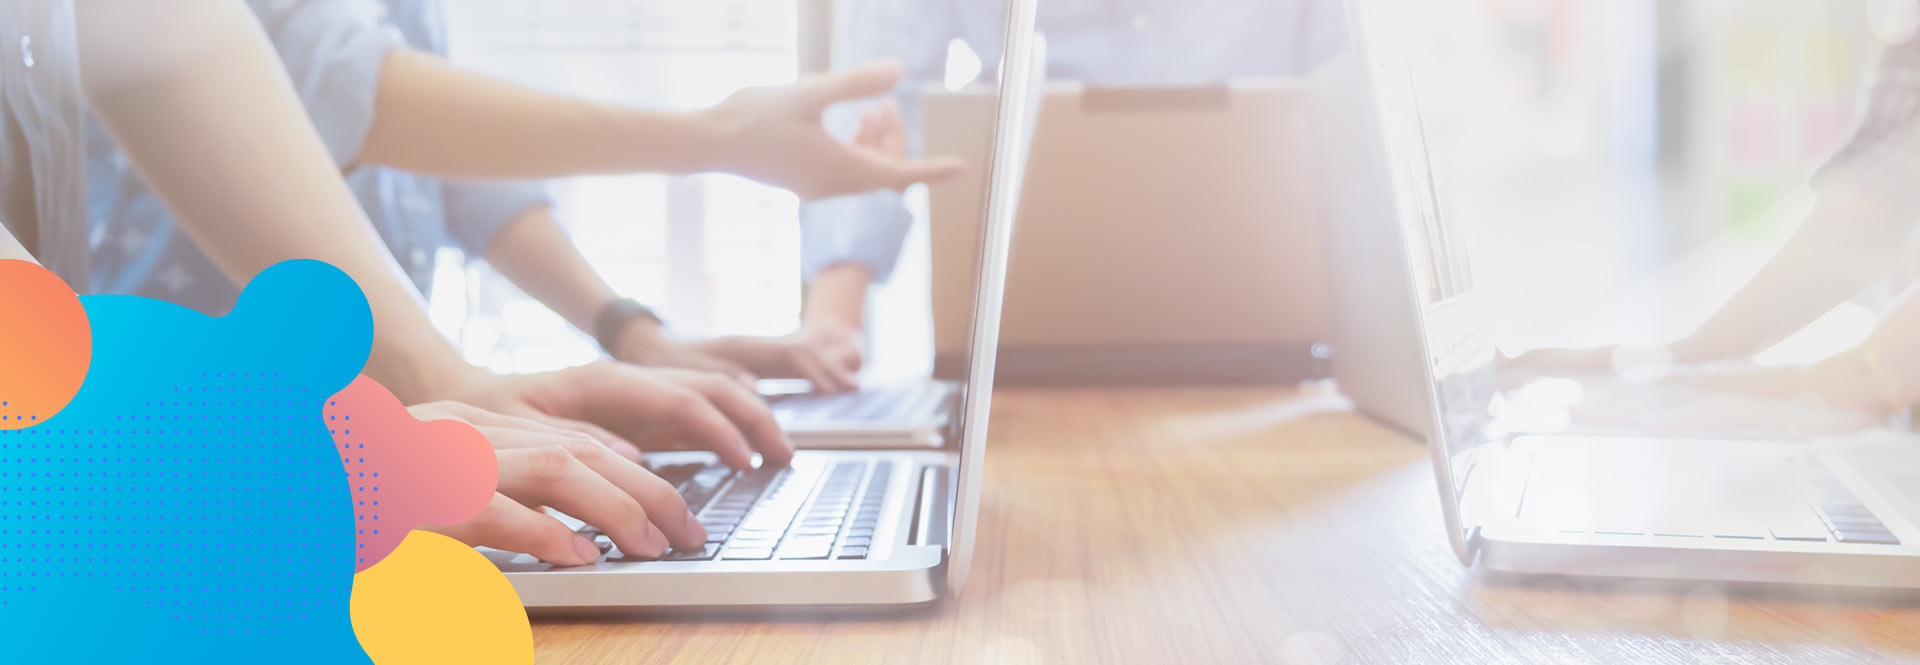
(1458, 349)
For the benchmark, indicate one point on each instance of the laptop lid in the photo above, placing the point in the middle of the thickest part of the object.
(1456, 349)
(1022, 63)
(1371, 311)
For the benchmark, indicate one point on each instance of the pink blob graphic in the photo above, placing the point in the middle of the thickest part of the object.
(401, 472)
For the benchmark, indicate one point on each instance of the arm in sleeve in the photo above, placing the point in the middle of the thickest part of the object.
(477, 211)
(10, 247)
(1882, 157)
(333, 51)
(1847, 240)
(870, 228)
(195, 95)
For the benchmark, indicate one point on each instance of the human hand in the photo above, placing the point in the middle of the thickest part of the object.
(1557, 360)
(654, 407)
(829, 358)
(1845, 382)
(646, 345)
(883, 131)
(774, 135)
(540, 465)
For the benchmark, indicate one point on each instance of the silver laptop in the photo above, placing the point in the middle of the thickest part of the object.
(1840, 511)
(913, 414)
(834, 528)
(917, 413)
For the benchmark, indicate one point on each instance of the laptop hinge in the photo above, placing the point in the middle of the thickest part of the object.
(933, 511)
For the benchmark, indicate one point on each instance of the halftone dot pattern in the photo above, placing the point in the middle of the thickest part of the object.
(186, 504)
(403, 472)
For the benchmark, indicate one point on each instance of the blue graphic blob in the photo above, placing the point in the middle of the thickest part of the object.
(187, 506)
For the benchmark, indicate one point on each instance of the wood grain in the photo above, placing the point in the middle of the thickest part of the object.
(1249, 526)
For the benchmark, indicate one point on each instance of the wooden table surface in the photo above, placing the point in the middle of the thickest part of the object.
(1248, 526)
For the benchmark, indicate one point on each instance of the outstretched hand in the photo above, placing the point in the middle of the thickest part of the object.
(774, 135)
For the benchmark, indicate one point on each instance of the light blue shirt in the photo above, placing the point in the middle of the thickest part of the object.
(333, 50)
(1100, 42)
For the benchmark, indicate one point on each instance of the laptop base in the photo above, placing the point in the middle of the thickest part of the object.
(1701, 509)
(903, 564)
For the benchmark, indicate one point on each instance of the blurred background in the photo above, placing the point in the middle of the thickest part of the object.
(1620, 165)
(712, 254)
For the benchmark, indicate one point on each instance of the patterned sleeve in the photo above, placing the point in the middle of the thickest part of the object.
(1882, 156)
(333, 50)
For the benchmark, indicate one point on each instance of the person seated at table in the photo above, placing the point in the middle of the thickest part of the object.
(203, 108)
(1862, 225)
(850, 243)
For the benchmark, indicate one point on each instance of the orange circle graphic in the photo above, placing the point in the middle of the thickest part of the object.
(45, 344)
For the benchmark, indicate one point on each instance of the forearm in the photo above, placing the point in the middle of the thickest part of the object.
(10, 247)
(1844, 243)
(837, 296)
(537, 255)
(430, 117)
(213, 126)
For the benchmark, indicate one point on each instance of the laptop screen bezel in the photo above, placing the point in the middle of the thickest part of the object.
(1010, 134)
(1370, 24)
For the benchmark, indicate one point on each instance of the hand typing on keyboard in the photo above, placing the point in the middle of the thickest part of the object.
(542, 465)
(830, 360)
(652, 407)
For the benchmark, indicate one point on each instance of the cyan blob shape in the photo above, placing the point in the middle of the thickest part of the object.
(188, 505)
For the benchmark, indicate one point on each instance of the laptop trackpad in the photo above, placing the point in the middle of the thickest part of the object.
(1896, 462)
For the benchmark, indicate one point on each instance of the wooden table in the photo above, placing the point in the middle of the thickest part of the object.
(1249, 526)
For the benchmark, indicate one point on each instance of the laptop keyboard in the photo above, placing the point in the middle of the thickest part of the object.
(896, 404)
(1842, 517)
(782, 514)
(1823, 511)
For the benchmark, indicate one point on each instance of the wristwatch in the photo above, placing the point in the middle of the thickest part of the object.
(615, 316)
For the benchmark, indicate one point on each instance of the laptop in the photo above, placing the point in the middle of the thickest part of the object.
(1371, 312)
(1832, 511)
(912, 414)
(835, 528)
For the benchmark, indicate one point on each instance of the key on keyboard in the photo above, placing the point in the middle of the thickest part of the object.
(760, 529)
(756, 515)
(860, 534)
(813, 538)
(870, 405)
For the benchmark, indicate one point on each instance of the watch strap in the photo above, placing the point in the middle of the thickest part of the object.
(614, 318)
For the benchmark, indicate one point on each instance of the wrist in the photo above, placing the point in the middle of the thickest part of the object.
(834, 324)
(615, 324)
(442, 382)
(708, 135)
(638, 341)
(674, 142)
(1690, 351)
(1860, 374)
(837, 297)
